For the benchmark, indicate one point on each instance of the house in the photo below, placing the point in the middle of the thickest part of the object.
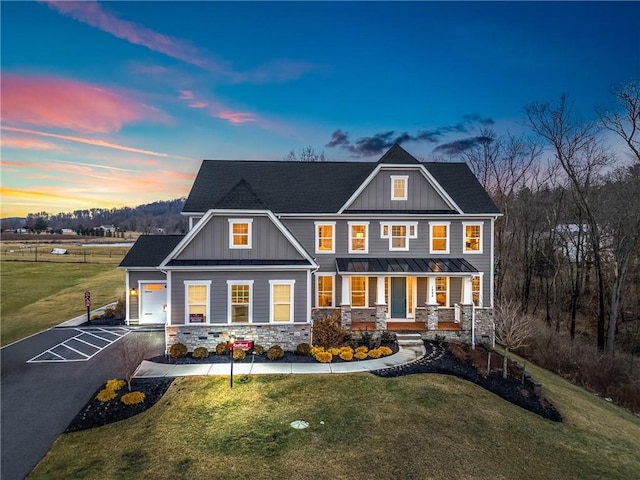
(395, 244)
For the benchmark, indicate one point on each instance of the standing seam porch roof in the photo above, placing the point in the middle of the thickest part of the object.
(404, 265)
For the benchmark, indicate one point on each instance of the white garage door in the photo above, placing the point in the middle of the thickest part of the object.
(153, 303)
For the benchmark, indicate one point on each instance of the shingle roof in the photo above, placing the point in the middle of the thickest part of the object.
(317, 187)
(150, 250)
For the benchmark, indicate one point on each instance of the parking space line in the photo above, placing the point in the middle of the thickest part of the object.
(103, 335)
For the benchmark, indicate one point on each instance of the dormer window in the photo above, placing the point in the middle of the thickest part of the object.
(240, 233)
(399, 185)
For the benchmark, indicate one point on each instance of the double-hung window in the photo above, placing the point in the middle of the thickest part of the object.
(358, 237)
(325, 237)
(240, 233)
(197, 301)
(399, 234)
(240, 308)
(399, 184)
(358, 291)
(476, 290)
(324, 291)
(472, 237)
(442, 291)
(439, 242)
(281, 301)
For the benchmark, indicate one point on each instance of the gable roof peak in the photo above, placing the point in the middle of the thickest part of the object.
(241, 196)
(398, 156)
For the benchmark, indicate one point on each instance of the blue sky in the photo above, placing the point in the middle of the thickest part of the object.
(115, 103)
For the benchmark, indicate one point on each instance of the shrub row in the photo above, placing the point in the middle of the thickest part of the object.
(179, 350)
(108, 393)
(347, 353)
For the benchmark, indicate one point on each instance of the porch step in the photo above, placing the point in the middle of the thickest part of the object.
(409, 339)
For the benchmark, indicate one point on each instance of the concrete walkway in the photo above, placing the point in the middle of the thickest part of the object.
(149, 369)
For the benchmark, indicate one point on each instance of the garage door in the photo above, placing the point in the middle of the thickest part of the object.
(154, 301)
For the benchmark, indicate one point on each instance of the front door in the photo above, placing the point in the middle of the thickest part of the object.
(398, 297)
(154, 299)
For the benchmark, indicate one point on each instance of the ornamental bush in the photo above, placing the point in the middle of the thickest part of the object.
(334, 351)
(375, 353)
(362, 349)
(200, 352)
(221, 348)
(387, 337)
(328, 330)
(258, 349)
(115, 384)
(275, 352)
(346, 348)
(303, 349)
(132, 398)
(324, 357)
(178, 350)
(316, 349)
(238, 354)
(105, 395)
(384, 351)
(346, 355)
(360, 355)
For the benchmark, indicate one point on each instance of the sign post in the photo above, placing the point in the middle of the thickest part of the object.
(87, 303)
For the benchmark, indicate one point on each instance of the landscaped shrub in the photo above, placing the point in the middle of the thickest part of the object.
(95, 317)
(375, 353)
(303, 349)
(120, 310)
(334, 350)
(275, 352)
(109, 313)
(324, 357)
(328, 331)
(178, 350)
(115, 384)
(316, 349)
(258, 349)
(105, 395)
(221, 348)
(360, 355)
(346, 355)
(132, 398)
(384, 351)
(238, 354)
(200, 352)
(387, 337)
(362, 349)
(369, 340)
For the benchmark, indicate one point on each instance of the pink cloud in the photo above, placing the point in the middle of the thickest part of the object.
(27, 143)
(185, 95)
(236, 117)
(64, 103)
(198, 104)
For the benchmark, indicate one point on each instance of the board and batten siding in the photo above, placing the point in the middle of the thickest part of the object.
(267, 242)
(420, 193)
(219, 297)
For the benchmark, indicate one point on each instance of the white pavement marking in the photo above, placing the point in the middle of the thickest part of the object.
(106, 337)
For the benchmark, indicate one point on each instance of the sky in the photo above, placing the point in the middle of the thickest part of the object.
(110, 104)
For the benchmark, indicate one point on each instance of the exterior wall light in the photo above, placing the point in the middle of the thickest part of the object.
(133, 292)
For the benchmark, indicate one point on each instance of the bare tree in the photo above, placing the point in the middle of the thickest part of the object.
(626, 123)
(513, 328)
(132, 351)
(306, 154)
(582, 157)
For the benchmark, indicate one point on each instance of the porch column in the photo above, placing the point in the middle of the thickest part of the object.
(345, 302)
(381, 314)
(466, 291)
(432, 304)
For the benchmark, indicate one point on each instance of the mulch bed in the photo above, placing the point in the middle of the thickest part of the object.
(437, 360)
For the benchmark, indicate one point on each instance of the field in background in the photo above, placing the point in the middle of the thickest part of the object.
(360, 427)
(37, 295)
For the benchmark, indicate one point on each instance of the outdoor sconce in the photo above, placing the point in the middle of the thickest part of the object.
(133, 292)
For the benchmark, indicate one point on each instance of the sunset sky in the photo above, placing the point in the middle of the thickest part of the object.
(109, 104)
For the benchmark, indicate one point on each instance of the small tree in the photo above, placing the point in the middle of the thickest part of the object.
(513, 328)
(132, 352)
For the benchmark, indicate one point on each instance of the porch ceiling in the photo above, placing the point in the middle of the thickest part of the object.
(382, 266)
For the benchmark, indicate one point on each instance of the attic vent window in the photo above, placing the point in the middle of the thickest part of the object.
(240, 233)
(399, 187)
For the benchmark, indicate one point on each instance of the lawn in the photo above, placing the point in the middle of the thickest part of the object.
(361, 426)
(37, 295)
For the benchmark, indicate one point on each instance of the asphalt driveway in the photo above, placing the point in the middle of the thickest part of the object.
(39, 399)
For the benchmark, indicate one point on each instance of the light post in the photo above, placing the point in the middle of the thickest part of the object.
(232, 340)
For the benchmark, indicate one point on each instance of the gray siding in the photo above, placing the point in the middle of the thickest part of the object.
(420, 195)
(219, 293)
(212, 242)
(136, 276)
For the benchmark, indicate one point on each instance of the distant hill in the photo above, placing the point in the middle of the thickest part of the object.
(157, 217)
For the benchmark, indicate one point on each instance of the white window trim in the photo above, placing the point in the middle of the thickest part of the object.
(366, 236)
(317, 237)
(229, 305)
(464, 237)
(206, 283)
(333, 289)
(249, 222)
(448, 239)
(366, 292)
(406, 186)
(480, 275)
(447, 297)
(272, 283)
(389, 236)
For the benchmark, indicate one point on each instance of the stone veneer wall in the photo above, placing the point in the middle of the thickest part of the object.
(287, 336)
(485, 328)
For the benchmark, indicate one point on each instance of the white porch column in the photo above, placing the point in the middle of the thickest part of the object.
(380, 300)
(346, 291)
(431, 291)
(467, 298)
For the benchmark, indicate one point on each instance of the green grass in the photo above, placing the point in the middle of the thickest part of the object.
(361, 427)
(37, 295)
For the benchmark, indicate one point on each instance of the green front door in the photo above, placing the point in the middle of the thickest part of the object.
(398, 297)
